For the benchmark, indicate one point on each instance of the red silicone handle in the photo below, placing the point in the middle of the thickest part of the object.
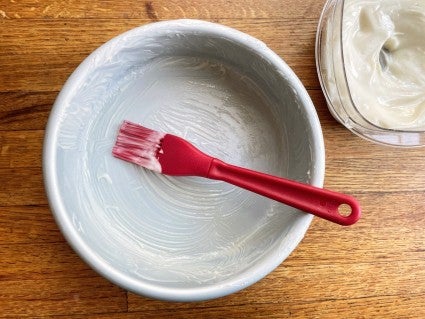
(317, 201)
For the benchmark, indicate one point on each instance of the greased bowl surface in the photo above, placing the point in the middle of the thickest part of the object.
(186, 238)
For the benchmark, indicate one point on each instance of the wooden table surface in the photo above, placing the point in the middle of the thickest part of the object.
(375, 269)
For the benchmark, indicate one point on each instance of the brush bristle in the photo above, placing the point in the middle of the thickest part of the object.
(138, 145)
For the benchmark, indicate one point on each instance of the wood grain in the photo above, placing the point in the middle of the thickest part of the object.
(25, 110)
(42, 297)
(37, 64)
(161, 10)
(375, 269)
(30, 224)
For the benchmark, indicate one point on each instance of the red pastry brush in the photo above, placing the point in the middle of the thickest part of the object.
(171, 155)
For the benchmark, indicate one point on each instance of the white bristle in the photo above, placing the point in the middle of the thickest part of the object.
(139, 145)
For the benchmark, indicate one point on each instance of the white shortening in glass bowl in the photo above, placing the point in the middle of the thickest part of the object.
(370, 59)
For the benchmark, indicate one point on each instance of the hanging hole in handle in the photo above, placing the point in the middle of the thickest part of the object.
(344, 210)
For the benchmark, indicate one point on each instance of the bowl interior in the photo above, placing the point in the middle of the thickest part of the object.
(155, 234)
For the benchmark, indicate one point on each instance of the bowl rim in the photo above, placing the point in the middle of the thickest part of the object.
(123, 280)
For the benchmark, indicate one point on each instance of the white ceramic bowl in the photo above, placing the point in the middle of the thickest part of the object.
(186, 238)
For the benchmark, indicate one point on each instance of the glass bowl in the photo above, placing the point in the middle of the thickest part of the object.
(333, 79)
